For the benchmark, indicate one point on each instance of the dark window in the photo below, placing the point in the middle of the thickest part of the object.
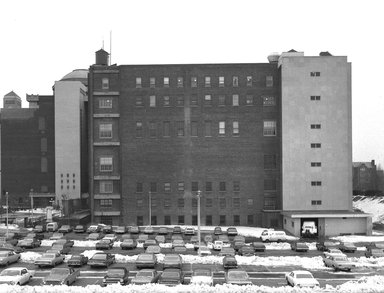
(249, 80)
(194, 129)
(236, 202)
(166, 129)
(236, 220)
(180, 82)
(208, 186)
(236, 186)
(152, 129)
(152, 81)
(43, 143)
(107, 220)
(315, 183)
(180, 101)
(222, 186)
(208, 202)
(269, 203)
(44, 165)
(315, 126)
(221, 100)
(195, 186)
(167, 203)
(222, 203)
(269, 81)
(194, 100)
(139, 221)
(106, 202)
(153, 220)
(315, 73)
(153, 187)
(180, 202)
(315, 145)
(249, 100)
(139, 203)
(269, 101)
(269, 184)
(316, 202)
(315, 98)
(139, 187)
(250, 220)
(270, 162)
(315, 164)
(193, 81)
(208, 128)
(167, 220)
(194, 219)
(235, 81)
(180, 220)
(180, 128)
(166, 101)
(153, 202)
(223, 220)
(269, 128)
(105, 83)
(208, 220)
(41, 123)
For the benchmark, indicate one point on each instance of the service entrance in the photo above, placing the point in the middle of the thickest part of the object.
(309, 227)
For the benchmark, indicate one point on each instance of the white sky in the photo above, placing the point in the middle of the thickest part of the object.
(41, 41)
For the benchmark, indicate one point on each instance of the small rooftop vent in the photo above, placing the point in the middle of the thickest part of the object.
(292, 51)
(325, 53)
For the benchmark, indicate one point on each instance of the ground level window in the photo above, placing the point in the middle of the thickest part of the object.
(167, 220)
(139, 221)
(180, 220)
(223, 220)
(107, 220)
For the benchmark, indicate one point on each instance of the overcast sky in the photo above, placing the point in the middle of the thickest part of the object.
(41, 41)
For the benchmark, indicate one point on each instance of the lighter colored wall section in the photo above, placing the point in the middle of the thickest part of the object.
(69, 95)
(335, 227)
(333, 112)
(294, 228)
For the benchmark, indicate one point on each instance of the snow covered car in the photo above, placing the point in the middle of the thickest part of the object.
(49, 259)
(189, 231)
(111, 237)
(61, 276)
(202, 277)
(299, 246)
(177, 243)
(7, 257)
(116, 275)
(163, 231)
(148, 230)
(338, 262)
(229, 262)
(65, 229)
(121, 230)
(160, 238)
(134, 230)
(94, 236)
(232, 231)
(204, 250)
(334, 251)
(239, 238)
(237, 277)
(374, 252)
(149, 242)
(142, 238)
(145, 276)
(218, 245)
(146, 260)
(171, 277)
(155, 249)
(246, 250)
(104, 244)
(93, 229)
(77, 260)
(227, 251)
(79, 229)
(347, 247)
(172, 261)
(56, 236)
(303, 279)
(15, 276)
(101, 259)
(29, 243)
(128, 244)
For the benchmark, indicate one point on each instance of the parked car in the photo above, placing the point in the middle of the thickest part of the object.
(239, 238)
(217, 231)
(299, 246)
(259, 246)
(227, 251)
(39, 236)
(62, 249)
(177, 230)
(225, 239)
(246, 250)
(338, 262)
(52, 227)
(65, 242)
(232, 231)
(5, 246)
(204, 251)
(155, 249)
(238, 244)
(116, 275)
(202, 277)
(29, 243)
(149, 242)
(49, 260)
(77, 260)
(163, 231)
(56, 236)
(334, 251)
(172, 261)
(189, 231)
(229, 262)
(39, 229)
(61, 276)
(126, 236)
(326, 245)
(302, 279)
(111, 237)
(237, 277)
(180, 249)
(146, 260)
(94, 236)
(176, 237)
(121, 230)
(101, 259)
(7, 257)
(347, 247)
(104, 244)
(93, 229)
(160, 238)
(107, 229)
(218, 245)
(148, 230)
(128, 244)
(374, 252)
(142, 238)
(178, 242)
(15, 276)
(79, 229)
(134, 230)
(273, 236)
(145, 276)
(65, 229)
(171, 277)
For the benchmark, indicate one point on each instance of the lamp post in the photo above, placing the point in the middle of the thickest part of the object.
(31, 196)
(6, 198)
(150, 208)
(198, 219)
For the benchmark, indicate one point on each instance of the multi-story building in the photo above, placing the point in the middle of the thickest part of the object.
(365, 177)
(263, 144)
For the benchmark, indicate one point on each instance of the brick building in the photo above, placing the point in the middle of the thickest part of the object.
(365, 177)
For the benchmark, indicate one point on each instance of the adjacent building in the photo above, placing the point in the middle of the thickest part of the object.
(365, 177)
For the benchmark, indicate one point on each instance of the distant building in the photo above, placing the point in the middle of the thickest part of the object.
(365, 177)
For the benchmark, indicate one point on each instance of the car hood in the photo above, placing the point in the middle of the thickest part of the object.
(201, 280)
(308, 282)
(55, 278)
(142, 279)
(8, 278)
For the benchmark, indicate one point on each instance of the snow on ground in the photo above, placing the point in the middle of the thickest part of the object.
(372, 205)
(358, 238)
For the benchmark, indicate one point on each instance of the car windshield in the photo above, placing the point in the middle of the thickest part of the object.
(3, 253)
(145, 257)
(171, 275)
(100, 256)
(39, 227)
(178, 241)
(144, 274)
(10, 272)
(231, 259)
(301, 244)
(76, 257)
(341, 259)
(128, 241)
(79, 227)
(304, 276)
(59, 271)
(172, 257)
(115, 273)
(238, 275)
(202, 273)
(49, 255)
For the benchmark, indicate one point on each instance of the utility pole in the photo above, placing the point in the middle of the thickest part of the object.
(6, 194)
(150, 208)
(31, 195)
(198, 219)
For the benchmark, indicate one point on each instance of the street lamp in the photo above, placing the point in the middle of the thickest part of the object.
(198, 219)
(6, 198)
(31, 196)
(150, 208)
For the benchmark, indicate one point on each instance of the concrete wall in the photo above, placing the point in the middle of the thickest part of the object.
(291, 225)
(333, 112)
(337, 226)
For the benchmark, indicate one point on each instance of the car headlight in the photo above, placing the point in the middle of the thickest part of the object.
(121, 280)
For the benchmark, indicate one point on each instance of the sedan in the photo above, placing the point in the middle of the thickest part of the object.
(374, 252)
(229, 262)
(227, 251)
(65, 242)
(177, 230)
(334, 251)
(238, 244)
(134, 230)
(79, 229)
(148, 230)
(338, 262)
(146, 260)
(347, 247)
(116, 275)
(93, 229)
(178, 243)
(62, 249)
(56, 236)
(39, 229)
(172, 261)
(217, 231)
(94, 236)
(149, 242)
(29, 243)
(4, 246)
(204, 250)
(303, 279)
(247, 250)
(65, 229)
(171, 277)
(326, 245)
(299, 246)
(104, 244)
(232, 231)
(237, 277)
(107, 229)
(202, 277)
(239, 238)
(77, 260)
(111, 237)
(160, 238)
(121, 230)
(49, 259)
(101, 259)
(259, 246)
(15, 276)
(189, 231)
(145, 276)
(7, 257)
(61, 276)
(163, 231)
(155, 249)
(128, 244)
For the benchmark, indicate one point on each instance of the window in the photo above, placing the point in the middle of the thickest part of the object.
(194, 129)
(41, 123)
(167, 220)
(270, 184)
(153, 187)
(152, 82)
(167, 203)
(44, 165)
(208, 186)
(104, 83)
(154, 220)
(236, 220)
(208, 202)
(222, 186)
(105, 103)
(166, 101)
(43, 144)
(152, 101)
(153, 202)
(106, 186)
(180, 101)
(315, 183)
(222, 128)
(180, 220)
(208, 220)
(236, 186)
(249, 100)
(166, 81)
(139, 187)
(250, 220)
(180, 128)
(167, 187)
(235, 128)
(221, 81)
(194, 202)
(269, 203)
(207, 81)
(315, 145)
(207, 128)
(193, 81)
(222, 203)
(269, 101)
(106, 164)
(270, 162)
(180, 202)
(315, 126)
(315, 98)
(194, 100)
(139, 129)
(269, 128)
(316, 202)
(207, 100)
(180, 186)
(139, 101)
(315, 164)
(249, 80)
(314, 74)
(222, 220)
(250, 201)
(139, 203)
(222, 100)
(138, 82)
(235, 100)
(235, 81)
(180, 82)
(166, 129)
(195, 186)
(106, 202)
(152, 129)
(139, 221)
(105, 130)
(236, 202)
(269, 81)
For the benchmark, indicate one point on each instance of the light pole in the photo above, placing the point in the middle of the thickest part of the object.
(150, 208)
(198, 219)
(31, 195)
(6, 198)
